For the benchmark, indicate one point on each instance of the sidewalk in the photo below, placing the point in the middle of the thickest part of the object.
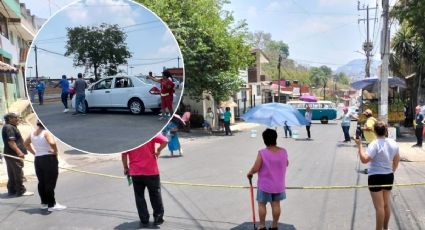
(407, 153)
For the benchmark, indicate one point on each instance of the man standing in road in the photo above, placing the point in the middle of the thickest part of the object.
(143, 170)
(419, 124)
(14, 146)
(64, 84)
(40, 89)
(80, 94)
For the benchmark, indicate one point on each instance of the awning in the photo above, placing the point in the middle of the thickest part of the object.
(6, 68)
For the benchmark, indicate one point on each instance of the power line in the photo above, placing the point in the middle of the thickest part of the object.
(52, 52)
(321, 32)
(123, 27)
(152, 63)
(150, 59)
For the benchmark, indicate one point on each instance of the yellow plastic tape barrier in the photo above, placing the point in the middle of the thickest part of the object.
(236, 186)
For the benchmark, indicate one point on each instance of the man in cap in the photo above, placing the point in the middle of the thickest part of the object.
(368, 131)
(14, 146)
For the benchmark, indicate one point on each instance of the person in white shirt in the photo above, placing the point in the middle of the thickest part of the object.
(42, 144)
(383, 157)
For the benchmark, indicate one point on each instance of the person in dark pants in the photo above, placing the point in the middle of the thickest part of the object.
(308, 116)
(419, 118)
(40, 89)
(64, 84)
(42, 145)
(227, 115)
(14, 146)
(345, 124)
(287, 129)
(141, 165)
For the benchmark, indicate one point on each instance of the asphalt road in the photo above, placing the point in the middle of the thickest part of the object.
(109, 131)
(104, 203)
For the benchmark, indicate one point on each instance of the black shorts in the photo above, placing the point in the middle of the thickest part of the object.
(380, 179)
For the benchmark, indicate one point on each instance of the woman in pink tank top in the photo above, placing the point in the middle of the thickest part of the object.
(271, 164)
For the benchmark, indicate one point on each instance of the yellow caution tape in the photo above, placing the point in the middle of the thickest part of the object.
(238, 186)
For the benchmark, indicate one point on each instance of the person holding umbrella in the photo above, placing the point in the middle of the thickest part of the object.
(271, 164)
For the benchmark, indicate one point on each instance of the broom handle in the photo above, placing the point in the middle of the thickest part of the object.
(251, 189)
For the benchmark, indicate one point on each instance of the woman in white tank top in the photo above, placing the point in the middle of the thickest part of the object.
(42, 144)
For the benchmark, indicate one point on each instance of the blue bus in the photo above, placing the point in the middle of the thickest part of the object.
(321, 110)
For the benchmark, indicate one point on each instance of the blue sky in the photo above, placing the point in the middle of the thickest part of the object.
(318, 32)
(149, 40)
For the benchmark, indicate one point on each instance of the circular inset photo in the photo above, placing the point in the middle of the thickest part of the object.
(104, 76)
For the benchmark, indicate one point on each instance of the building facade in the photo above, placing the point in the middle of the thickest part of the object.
(17, 30)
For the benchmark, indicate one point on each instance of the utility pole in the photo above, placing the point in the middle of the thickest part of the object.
(278, 81)
(178, 62)
(367, 45)
(385, 54)
(36, 64)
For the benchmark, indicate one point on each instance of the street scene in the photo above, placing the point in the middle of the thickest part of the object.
(110, 69)
(294, 115)
(108, 203)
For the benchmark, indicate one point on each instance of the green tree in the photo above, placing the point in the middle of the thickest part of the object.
(211, 42)
(102, 48)
(343, 79)
(409, 42)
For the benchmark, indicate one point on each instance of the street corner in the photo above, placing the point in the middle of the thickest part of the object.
(411, 154)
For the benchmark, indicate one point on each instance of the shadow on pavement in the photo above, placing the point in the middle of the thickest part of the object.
(74, 152)
(303, 139)
(38, 211)
(348, 144)
(6, 196)
(134, 225)
(169, 156)
(250, 226)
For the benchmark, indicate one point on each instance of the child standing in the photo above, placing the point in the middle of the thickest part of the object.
(271, 164)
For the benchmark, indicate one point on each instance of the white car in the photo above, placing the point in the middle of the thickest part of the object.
(122, 92)
(176, 83)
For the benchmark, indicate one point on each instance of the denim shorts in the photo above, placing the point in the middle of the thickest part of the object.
(266, 197)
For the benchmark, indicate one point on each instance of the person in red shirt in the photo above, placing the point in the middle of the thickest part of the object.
(141, 164)
(167, 93)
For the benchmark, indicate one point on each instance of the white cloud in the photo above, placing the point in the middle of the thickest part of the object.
(95, 12)
(277, 5)
(320, 25)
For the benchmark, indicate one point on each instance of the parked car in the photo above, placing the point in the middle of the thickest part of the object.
(123, 92)
(176, 83)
